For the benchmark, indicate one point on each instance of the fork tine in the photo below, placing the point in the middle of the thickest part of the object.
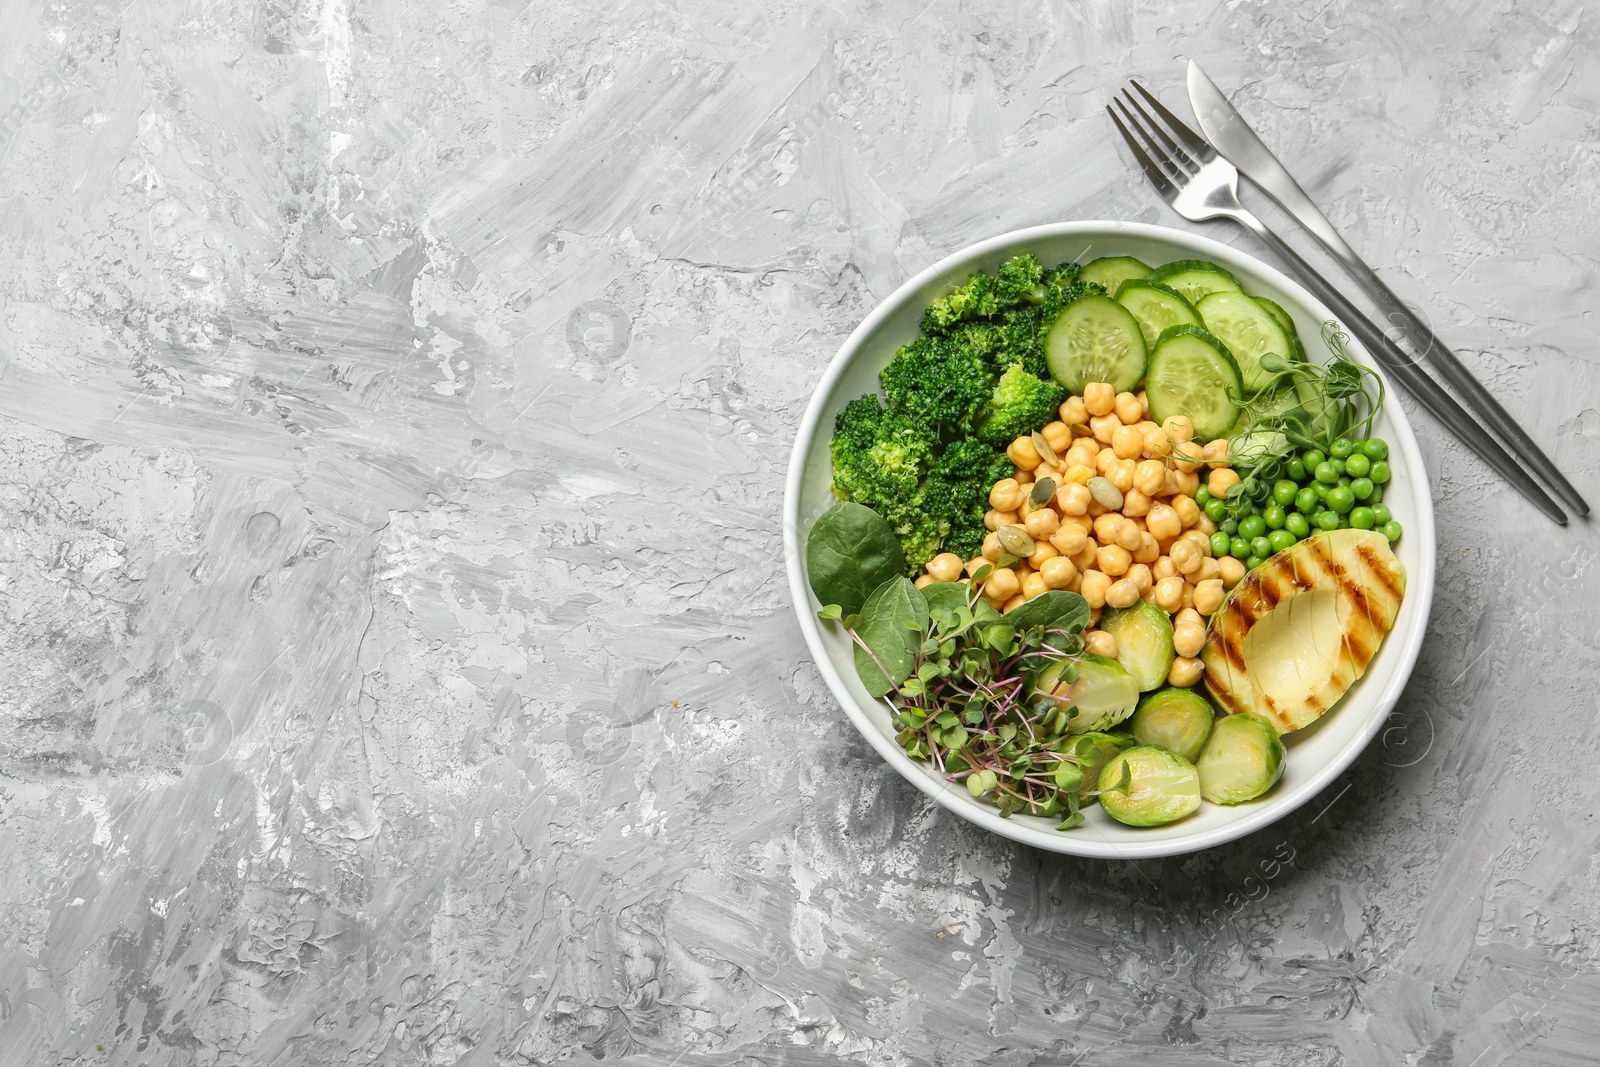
(1198, 144)
(1162, 183)
(1183, 160)
(1174, 171)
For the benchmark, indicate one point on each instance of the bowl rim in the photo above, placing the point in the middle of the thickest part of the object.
(958, 801)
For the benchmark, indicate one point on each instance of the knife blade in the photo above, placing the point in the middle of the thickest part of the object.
(1236, 142)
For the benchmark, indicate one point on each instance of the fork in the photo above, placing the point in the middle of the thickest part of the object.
(1200, 185)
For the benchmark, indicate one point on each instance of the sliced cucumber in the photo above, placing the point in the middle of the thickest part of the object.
(1144, 641)
(1102, 695)
(1112, 271)
(1156, 306)
(1191, 373)
(1096, 340)
(1249, 330)
(1195, 279)
(1275, 309)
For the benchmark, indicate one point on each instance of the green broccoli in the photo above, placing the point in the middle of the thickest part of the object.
(1061, 275)
(879, 456)
(1018, 281)
(956, 492)
(938, 382)
(1022, 402)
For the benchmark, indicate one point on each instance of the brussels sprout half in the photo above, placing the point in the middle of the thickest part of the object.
(1102, 695)
(1162, 787)
(1242, 759)
(1144, 641)
(1178, 720)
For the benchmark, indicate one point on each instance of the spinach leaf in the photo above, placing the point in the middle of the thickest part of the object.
(850, 552)
(946, 596)
(893, 622)
(1054, 610)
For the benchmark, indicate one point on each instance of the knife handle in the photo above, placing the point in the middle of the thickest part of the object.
(1403, 367)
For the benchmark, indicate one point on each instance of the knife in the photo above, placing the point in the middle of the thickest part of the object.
(1236, 142)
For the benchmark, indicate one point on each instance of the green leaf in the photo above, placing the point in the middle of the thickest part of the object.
(850, 552)
(946, 598)
(1069, 776)
(893, 615)
(1072, 821)
(830, 612)
(1054, 610)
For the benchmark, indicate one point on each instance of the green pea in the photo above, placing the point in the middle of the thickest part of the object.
(1379, 473)
(1342, 447)
(1375, 448)
(1338, 465)
(1220, 543)
(1283, 492)
(1321, 490)
(1325, 473)
(1391, 530)
(1362, 518)
(1380, 514)
(1261, 546)
(1252, 527)
(1357, 465)
(1343, 481)
(1362, 488)
(1297, 470)
(1216, 509)
(1296, 524)
(1312, 458)
(1253, 562)
(1202, 495)
(1327, 520)
(1239, 548)
(1230, 526)
(1341, 500)
(1281, 539)
(1306, 500)
(1273, 517)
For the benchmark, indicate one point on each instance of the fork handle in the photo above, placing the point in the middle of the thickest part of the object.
(1393, 359)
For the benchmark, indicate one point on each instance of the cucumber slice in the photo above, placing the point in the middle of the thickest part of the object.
(1096, 340)
(1156, 306)
(1195, 279)
(1250, 332)
(1112, 271)
(1144, 641)
(1191, 373)
(1102, 696)
(1275, 309)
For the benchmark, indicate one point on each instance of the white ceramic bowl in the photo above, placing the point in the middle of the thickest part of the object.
(1317, 754)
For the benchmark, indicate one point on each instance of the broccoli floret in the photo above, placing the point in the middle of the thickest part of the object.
(879, 456)
(1018, 281)
(1061, 275)
(1022, 402)
(938, 382)
(957, 492)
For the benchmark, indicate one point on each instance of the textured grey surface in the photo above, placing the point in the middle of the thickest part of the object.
(398, 664)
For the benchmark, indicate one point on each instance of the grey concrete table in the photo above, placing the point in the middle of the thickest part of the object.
(398, 667)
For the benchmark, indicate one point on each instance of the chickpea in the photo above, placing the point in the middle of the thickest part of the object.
(1149, 477)
(1069, 539)
(1188, 482)
(1170, 486)
(1179, 428)
(1135, 504)
(945, 567)
(1093, 590)
(1100, 643)
(1119, 472)
(1105, 527)
(992, 549)
(1144, 404)
(1221, 480)
(1139, 574)
(1185, 557)
(1163, 568)
(1169, 593)
(1001, 584)
(1127, 408)
(1157, 444)
(1189, 615)
(1186, 671)
(1088, 558)
(1188, 511)
(1078, 473)
(1033, 585)
(1041, 523)
(1186, 459)
(1058, 572)
(1122, 594)
(1058, 435)
(1205, 525)
(1073, 499)
(974, 564)
(1099, 398)
(1082, 453)
(1042, 550)
(1104, 459)
(1215, 453)
(1149, 549)
(1113, 560)
(1188, 638)
(1149, 595)
(1022, 453)
(993, 520)
(1163, 521)
(1094, 616)
(1127, 442)
(1208, 569)
(1096, 509)
(1208, 596)
(1103, 426)
(1231, 570)
(1014, 603)
(923, 582)
(1125, 533)
(1006, 495)
(1073, 412)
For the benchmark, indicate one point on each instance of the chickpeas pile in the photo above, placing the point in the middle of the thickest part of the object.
(1120, 525)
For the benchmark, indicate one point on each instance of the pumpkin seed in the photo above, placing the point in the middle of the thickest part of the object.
(1105, 494)
(1016, 540)
(1043, 448)
(1043, 490)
